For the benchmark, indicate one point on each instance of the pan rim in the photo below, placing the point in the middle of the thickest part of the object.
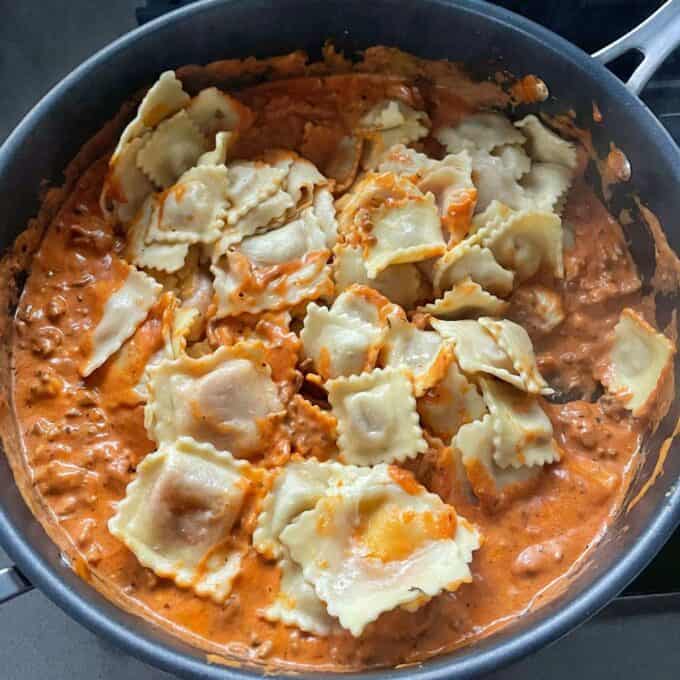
(111, 626)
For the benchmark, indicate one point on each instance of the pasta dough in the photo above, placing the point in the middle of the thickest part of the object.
(401, 283)
(193, 210)
(489, 482)
(226, 398)
(124, 310)
(165, 98)
(171, 149)
(451, 403)
(467, 298)
(377, 418)
(640, 359)
(522, 431)
(339, 342)
(178, 513)
(369, 546)
(499, 348)
(389, 123)
(421, 354)
(405, 227)
(475, 262)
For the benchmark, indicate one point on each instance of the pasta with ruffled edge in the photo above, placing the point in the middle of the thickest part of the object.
(377, 417)
(403, 284)
(388, 123)
(125, 308)
(226, 398)
(491, 483)
(449, 180)
(465, 299)
(274, 270)
(640, 359)
(476, 262)
(178, 513)
(392, 220)
(523, 433)
(369, 546)
(298, 487)
(422, 354)
(450, 403)
(478, 351)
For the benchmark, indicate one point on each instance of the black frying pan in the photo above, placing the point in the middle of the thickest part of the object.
(488, 39)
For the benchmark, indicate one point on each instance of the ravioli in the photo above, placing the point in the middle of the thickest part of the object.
(389, 123)
(274, 270)
(450, 403)
(226, 398)
(178, 513)
(401, 283)
(297, 488)
(522, 430)
(528, 241)
(193, 210)
(489, 482)
(475, 262)
(141, 251)
(640, 358)
(126, 187)
(297, 604)
(466, 299)
(516, 343)
(163, 99)
(252, 182)
(485, 131)
(377, 418)
(449, 180)
(546, 146)
(124, 310)
(320, 348)
(421, 354)
(499, 348)
(369, 546)
(171, 149)
(345, 339)
(404, 227)
(525, 166)
(214, 111)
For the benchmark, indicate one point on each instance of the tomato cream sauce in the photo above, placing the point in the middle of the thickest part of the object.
(83, 438)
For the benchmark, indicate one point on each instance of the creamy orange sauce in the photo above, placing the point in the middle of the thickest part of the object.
(84, 437)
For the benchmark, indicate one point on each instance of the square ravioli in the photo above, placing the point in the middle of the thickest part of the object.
(226, 398)
(491, 483)
(369, 546)
(523, 433)
(640, 359)
(393, 220)
(298, 487)
(178, 513)
(377, 417)
(346, 338)
(125, 308)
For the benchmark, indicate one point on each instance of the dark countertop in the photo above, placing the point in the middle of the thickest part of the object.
(41, 41)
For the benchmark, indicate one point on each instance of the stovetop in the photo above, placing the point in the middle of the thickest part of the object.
(40, 41)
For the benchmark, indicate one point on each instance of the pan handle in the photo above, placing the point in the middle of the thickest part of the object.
(12, 583)
(655, 38)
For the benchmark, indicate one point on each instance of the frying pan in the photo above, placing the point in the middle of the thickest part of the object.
(488, 39)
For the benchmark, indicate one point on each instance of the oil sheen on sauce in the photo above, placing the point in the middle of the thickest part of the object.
(84, 438)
